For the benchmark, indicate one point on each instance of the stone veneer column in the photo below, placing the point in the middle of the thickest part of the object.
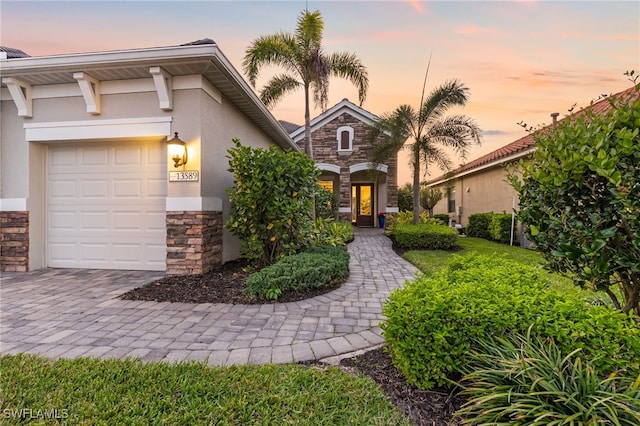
(194, 242)
(345, 194)
(14, 241)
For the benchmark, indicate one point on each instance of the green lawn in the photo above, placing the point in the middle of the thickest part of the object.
(106, 392)
(431, 261)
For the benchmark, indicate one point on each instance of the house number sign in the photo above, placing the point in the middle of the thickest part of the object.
(184, 176)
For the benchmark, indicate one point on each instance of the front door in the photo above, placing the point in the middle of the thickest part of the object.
(362, 204)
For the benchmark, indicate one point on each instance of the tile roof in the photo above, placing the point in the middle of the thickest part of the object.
(522, 145)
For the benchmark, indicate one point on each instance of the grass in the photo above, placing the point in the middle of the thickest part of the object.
(431, 261)
(104, 392)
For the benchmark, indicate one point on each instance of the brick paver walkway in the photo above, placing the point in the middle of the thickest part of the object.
(72, 312)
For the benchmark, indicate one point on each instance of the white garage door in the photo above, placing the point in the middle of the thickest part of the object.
(106, 205)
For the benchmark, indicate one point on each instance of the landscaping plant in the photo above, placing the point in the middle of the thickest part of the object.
(425, 236)
(580, 198)
(328, 232)
(317, 267)
(431, 320)
(528, 380)
(270, 201)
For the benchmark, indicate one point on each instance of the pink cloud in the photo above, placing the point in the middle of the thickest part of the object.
(474, 29)
(417, 5)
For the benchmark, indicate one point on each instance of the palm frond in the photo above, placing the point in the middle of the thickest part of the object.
(432, 154)
(443, 97)
(309, 30)
(276, 49)
(458, 132)
(348, 65)
(277, 87)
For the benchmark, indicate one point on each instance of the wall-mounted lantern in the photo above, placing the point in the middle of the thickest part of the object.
(177, 150)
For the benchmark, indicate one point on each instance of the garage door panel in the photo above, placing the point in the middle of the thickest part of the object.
(107, 208)
(127, 188)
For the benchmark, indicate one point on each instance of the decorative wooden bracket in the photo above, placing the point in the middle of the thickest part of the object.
(164, 86)
(90, 88)
(22, 95)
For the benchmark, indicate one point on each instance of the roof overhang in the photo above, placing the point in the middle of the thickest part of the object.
(501, 162)
(205, 59)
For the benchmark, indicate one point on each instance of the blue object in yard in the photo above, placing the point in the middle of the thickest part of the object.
(381, 221)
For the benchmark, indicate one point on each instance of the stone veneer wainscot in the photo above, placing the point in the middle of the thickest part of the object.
(194, 242)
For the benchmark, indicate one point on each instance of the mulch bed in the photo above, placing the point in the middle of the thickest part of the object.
(424, 408)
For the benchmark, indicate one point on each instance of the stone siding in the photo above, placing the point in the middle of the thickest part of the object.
(14, 241)
(194, 242)
(325, 150)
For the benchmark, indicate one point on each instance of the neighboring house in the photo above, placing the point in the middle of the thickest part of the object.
(481, 185)
(86, 177)
(341, 151)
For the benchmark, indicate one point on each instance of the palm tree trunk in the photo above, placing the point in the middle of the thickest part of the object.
(308, 148)
(416, 186)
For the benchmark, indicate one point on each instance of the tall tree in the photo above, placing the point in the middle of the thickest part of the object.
(430, 132)
(306, 66)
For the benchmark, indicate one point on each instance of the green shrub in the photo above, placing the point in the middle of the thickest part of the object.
(331, 233)
(317, 267)
(406, 218)
(500, 228)
(431, 320)
(326, 204)
(405, 198)
(478, 225)
(444, 218)
(424, 236)
(270, 201)
(530, 380)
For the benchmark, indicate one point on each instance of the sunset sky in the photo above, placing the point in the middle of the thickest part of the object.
(522, 60)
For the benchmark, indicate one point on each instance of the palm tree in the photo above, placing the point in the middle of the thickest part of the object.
(307, 66)
(429, 129)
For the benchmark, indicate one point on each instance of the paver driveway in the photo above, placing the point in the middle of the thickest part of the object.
(71, 312)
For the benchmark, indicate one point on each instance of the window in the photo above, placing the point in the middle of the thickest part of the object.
(326, 184)
(451, 200)
(345, 138)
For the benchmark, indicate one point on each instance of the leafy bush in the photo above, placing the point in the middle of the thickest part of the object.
(317, 267)
(479, 225)
(271, 201)
(406, 218)
(500, 228)
(443, 217)
(326, 204)
(430, 321)
(331, 233)
(530, 380)
(580, 197)
(405, 198)
(424, 236)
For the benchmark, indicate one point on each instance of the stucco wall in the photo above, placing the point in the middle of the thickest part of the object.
(482, 192)
(220, 123)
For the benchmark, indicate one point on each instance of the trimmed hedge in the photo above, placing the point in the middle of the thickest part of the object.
(431, 321)
(316, 267)
(479, 225)
(423, 236)
(500, 228)
(490, 226)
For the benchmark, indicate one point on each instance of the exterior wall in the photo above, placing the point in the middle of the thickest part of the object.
(221, 122)
(205, 120)
(325, 150)
(485, 191)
